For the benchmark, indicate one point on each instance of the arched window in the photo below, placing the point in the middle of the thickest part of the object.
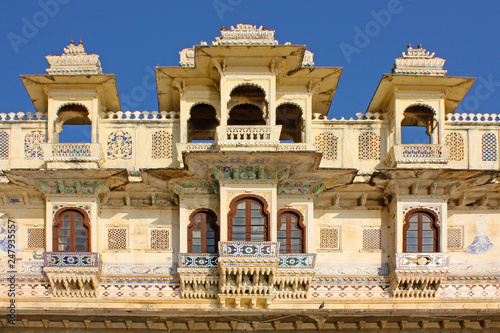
(248, 219)
(420, 232)
(71, 231)
(291, 231)
(203, 232)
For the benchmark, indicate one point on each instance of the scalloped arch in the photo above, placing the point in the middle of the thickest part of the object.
(421, 104)
(250, 84)
(72, 103)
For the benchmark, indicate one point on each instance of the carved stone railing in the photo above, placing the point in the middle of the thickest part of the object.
(248, 137)
(73, 274)
(417, 155)
(73, 155)
(418, 274)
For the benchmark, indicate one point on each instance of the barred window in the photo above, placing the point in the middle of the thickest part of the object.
(372, 239)
(329, 238)
(369, 146)
(489, 147)
(455, 142)
(35, 238)
(455, 238)
(117, 238)
(160, 239)
(327, 144)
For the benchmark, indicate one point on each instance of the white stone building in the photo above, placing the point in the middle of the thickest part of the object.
(240, 206)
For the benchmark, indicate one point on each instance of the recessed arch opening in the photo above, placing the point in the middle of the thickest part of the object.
(73, 124)
(202, 123)
(289, 116)
(418, 125)
(247, 106)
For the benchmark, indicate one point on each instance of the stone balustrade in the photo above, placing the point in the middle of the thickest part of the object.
(248, 137)
(73, 155)
(417, 155)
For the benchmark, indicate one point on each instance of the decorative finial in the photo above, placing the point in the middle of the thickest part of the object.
(419, 45)
(409, 46)
(72, 43)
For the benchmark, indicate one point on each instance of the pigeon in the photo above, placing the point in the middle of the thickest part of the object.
(322, 305)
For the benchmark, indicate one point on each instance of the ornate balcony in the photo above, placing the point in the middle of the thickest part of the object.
(73, 155)
(246, 274)
(248, 137)
(417, 156)
(198, 274)
(418, 274)
(73, 274)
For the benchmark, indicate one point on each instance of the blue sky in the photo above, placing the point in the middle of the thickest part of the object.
(133, 37)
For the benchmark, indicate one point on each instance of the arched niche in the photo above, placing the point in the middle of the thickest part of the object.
(419, 124)
(247, 105)
(202, 122)
(73, 123)
(290, 117)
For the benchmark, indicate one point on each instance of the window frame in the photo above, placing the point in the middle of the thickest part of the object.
(232, 214)
(301, 227)
(434, 224)
(192, 225)
(58, 223)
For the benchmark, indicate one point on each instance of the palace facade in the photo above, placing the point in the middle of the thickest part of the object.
(240, 206)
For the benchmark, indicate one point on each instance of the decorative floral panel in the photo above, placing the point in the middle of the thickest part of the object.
(33, 145)
(119, 145)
